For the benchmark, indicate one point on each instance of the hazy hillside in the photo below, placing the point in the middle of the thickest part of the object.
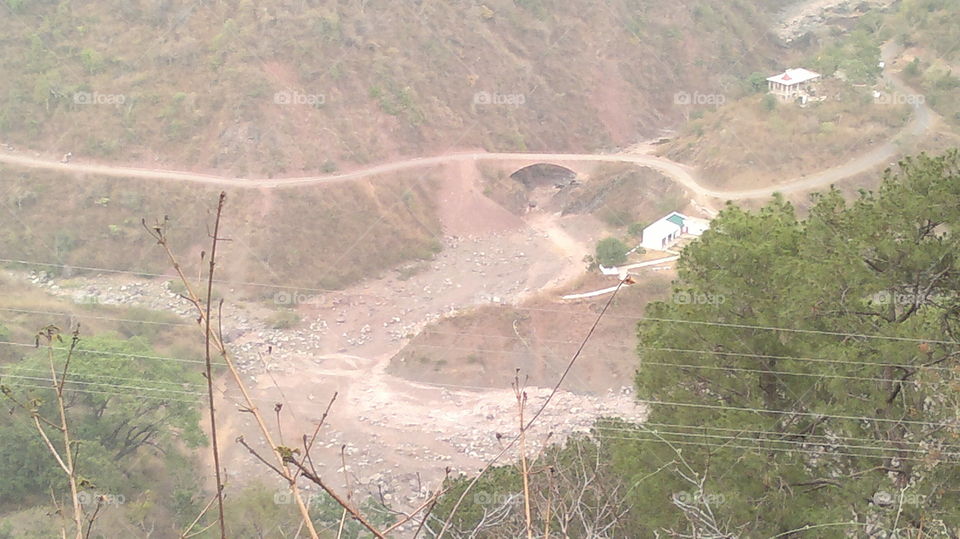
(291, 86)
(480, 268)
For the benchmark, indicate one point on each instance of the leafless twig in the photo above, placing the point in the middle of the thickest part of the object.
(158, 232)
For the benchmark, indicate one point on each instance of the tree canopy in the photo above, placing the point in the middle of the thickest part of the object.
(849, 412)
(120, 398)
(611, 252)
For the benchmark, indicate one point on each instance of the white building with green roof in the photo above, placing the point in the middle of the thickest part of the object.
(666, 230)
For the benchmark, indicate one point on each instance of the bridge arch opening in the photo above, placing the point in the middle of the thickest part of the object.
(543, 174)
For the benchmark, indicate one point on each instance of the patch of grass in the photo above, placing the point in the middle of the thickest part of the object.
(148, 323)
(284, 319)
(407, 271)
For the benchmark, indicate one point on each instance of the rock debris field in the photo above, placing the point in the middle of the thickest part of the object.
(398, 436)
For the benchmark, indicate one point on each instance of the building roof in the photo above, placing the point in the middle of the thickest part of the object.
(664, 226)
(794, 76)
(676, 218)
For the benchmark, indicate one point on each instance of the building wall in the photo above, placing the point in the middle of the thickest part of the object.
(789, 93)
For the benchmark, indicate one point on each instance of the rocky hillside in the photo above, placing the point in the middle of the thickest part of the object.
(292, 86)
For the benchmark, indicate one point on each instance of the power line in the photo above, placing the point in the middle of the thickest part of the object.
(787, 373)
(119, 393)
(805, 414)
(652, 438)
(795, 358)
(805, 331)
(108, 353)
(649, 348)
(829, 437)
(794, 442)
(165, 276)
(17, 369)
(637, 317)
(690, 351)
(118, 386)
(202, 396)
(105, 352)
(664, 349)
(709, 367)
(676, 365)
(640, 400)
(95, 317)
(748, 326)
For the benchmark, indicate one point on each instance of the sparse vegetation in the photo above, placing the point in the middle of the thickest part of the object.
(758, 140)
(77, 229)
(283, 319)
(55, 53)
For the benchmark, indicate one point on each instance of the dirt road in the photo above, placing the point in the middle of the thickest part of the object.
(886, 152)
(684, 175)
(679, 172)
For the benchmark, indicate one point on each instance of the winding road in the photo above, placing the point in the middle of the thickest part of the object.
(920, 123)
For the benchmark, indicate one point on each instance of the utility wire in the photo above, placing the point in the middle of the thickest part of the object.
(16, 369)
(791, 442)
(829, 437)
(118, 386)
(681, 350)
(511, 337)
(165, 276)
(708, 367)
(94, 317)
(108, 353)
(652, 438)
(805, 414)
(117, 393)
(638, 317)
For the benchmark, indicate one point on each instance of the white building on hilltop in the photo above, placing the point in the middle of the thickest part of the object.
(794, 84)
(666, 230)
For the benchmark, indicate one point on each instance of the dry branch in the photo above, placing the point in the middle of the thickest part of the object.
(158, 232)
